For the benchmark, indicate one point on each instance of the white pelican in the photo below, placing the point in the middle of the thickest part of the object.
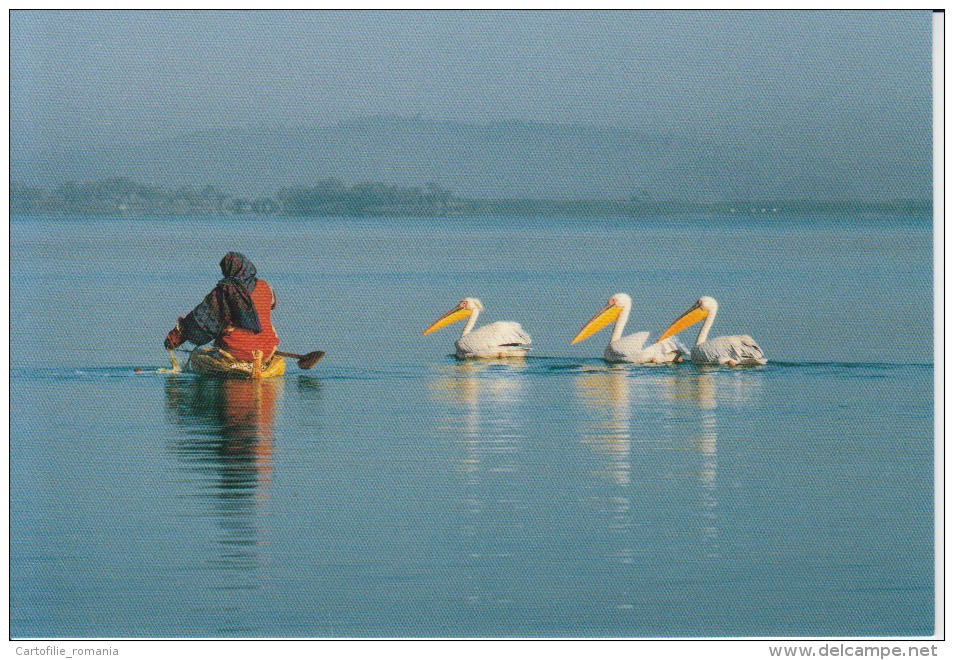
(732, 350)
(496, 340)
(631, 348)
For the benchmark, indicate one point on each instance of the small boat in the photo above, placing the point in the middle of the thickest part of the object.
(218, 363)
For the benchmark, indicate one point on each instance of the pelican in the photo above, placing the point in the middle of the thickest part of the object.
(732, 350)
(496, 340)
(631, 348)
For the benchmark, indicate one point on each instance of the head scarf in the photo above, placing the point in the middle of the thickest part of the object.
(228, 304)
(236, 291)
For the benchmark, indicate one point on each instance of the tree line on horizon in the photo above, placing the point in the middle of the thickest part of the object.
(121, 196)
(331, 197)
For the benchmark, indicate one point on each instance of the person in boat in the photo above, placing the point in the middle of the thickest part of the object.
(236, 314)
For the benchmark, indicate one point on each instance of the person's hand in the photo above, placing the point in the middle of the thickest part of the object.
(174, 339)
(228, 330)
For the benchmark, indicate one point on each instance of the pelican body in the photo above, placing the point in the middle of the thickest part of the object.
(631, 348)
(731, 350)
(495, 340)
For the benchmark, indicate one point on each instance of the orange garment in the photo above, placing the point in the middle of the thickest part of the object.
(241, 342)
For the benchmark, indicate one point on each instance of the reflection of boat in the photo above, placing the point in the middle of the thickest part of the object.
(224, 444)
(216, 362)
(228, 418)
(228, 430)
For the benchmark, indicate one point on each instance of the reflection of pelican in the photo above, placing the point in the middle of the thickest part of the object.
(731, 350)
(631, 348)
(698, 390)
(601, 388)
(496, 340)
(492, 385)
(464, 382)
(708, 475)
(597, 390)
(480, 404)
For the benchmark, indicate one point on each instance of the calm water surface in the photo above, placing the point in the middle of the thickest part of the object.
(393, 491)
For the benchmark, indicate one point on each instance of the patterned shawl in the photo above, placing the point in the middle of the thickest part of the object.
(228, 304)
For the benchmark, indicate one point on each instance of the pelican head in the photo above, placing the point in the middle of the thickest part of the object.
(462, 310)
(704, 307)
(474, 304)
(614, 307)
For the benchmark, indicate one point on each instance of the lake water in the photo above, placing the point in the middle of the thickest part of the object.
(393, 491)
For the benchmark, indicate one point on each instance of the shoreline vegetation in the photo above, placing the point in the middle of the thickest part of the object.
(333, 198)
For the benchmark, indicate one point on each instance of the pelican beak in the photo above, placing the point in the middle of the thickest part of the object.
(603, 318)
(452, 316)
(694, 315)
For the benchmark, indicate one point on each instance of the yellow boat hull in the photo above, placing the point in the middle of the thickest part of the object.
(214, 362)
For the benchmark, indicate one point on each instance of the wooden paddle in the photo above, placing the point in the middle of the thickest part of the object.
(306, 361)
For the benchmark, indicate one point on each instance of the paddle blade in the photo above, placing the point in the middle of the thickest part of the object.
(309, 360)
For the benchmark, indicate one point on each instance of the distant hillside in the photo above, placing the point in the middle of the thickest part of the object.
(518, 160)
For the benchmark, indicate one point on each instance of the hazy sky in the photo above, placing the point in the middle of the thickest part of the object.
(719, 74)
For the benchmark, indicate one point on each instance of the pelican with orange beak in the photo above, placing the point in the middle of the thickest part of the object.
(631, 348)
(732, 350)
(496, 340)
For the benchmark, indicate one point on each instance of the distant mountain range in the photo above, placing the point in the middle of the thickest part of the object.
(497, 160)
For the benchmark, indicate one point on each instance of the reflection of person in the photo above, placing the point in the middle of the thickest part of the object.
(231, 417)
(236, 314)
(225, 440)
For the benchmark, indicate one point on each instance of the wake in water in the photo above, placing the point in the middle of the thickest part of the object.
(530, 366)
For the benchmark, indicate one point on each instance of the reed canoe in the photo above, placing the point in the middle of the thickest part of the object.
(218, 363)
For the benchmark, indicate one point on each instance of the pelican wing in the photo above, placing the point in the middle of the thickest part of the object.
(676, 346)
(749, 350)
(741, 349)
(631, 344)
(670, 349)
(493, 336)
